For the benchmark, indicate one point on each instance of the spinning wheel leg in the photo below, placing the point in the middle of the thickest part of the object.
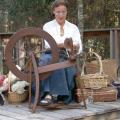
(36, 83)
(36, 96)
(83, 97)
(80, 86)
(30, 83)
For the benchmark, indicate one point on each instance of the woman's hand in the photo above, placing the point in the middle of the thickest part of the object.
(76, 47)
(61, 45)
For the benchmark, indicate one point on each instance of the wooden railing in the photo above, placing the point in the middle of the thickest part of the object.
(114, 38)
(113, 34)
(4, 37)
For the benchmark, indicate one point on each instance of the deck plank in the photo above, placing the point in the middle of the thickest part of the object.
(6, 118)
(22, 112)
(16, 113)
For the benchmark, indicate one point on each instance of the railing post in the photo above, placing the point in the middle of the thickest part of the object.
(1, 57)
(117, 57)
(112, 45)
(117, 37)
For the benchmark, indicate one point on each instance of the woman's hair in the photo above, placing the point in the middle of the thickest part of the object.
(57, 3)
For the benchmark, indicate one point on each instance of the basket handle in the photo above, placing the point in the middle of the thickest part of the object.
(99, 60)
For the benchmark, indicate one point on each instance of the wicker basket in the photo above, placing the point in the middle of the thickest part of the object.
(14, 97)
(109, 67)
(97, 80)
(99, 95)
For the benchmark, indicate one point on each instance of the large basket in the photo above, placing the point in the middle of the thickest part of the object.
(97, 80)
(109, 67)
(99, 95)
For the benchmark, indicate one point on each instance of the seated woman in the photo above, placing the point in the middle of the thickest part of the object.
(60, 83)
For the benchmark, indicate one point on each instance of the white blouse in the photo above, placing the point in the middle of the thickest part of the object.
(70, 30)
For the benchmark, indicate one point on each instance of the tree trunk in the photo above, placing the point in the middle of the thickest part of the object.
(80, 17)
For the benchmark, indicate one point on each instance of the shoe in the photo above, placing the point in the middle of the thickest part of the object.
(47, 100)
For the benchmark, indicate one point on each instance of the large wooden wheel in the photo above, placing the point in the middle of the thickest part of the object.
(20, 36)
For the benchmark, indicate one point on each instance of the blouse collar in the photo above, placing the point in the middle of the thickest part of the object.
(58, 25)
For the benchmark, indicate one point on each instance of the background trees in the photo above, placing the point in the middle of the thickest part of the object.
(88, 14)
(15, 14)
(101, 14)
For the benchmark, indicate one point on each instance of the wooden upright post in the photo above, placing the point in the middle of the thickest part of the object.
(80, 17)
(1, 57)
(112, 45)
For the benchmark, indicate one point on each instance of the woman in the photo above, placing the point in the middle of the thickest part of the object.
(61, 82)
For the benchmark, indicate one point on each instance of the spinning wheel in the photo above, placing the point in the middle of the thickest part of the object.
(23, 42)
(16, 38)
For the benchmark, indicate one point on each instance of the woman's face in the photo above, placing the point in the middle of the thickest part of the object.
(60, 13)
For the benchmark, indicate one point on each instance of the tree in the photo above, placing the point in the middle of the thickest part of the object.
(80, 16)
(24, 13)
(101, 14)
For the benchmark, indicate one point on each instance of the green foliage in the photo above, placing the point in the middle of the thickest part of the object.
(101, 14)
(30, 12)
(98, 14)
(24, 13)
(99, 45)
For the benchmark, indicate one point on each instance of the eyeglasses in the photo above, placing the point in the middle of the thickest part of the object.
(62, 13)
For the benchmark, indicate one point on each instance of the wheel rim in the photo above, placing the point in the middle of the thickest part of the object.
(28, 32)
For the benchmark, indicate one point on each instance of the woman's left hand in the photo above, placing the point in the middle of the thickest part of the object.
(60, 45)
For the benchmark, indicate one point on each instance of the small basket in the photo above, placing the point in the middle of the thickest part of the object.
(97, 80)
(14, 97)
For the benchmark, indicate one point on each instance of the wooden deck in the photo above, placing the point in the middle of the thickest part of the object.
(96, 111)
